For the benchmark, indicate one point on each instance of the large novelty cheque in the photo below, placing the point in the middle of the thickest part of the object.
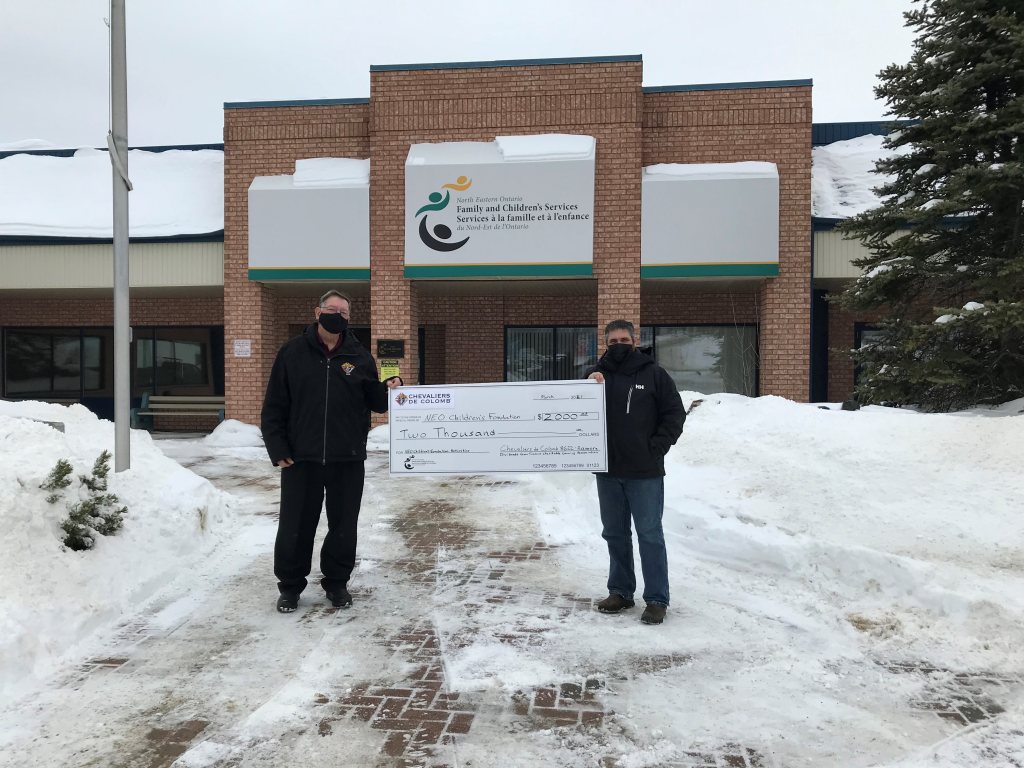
(551, 426)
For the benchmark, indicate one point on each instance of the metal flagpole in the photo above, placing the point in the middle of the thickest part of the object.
(117, 146)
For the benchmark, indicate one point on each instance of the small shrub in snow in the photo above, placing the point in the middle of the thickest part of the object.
(97, 514)
(58, 479)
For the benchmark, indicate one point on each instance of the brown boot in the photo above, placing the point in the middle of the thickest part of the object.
(654, 613)
(614, 603)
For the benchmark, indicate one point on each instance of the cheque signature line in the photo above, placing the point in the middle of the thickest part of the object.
(572, 397)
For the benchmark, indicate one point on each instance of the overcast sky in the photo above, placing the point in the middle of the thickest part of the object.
(187, 57)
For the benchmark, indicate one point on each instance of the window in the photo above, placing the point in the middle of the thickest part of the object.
(864, 335)
(706, 358)
(64, 363)
(171, 361)
(545, 353)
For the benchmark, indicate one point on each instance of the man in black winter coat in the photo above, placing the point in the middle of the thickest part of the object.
(316, 416)
(645, 417)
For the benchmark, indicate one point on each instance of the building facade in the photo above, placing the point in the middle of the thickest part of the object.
(469, 329)
(733, 309)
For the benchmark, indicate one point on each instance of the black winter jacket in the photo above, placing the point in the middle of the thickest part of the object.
(318, 408)
(644, 412)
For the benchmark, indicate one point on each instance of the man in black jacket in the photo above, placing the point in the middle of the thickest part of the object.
(645, 418)
(316, 416)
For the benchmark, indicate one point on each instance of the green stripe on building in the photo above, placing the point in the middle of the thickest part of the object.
(326, 273)
(500, 270)
(710, 270)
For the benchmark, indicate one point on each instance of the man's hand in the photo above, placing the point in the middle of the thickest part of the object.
(597, 376)
(394, 382)
(285, 463)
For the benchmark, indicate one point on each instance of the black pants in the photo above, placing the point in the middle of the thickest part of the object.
(302, 495)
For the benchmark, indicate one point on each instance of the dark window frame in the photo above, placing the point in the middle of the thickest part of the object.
(139, 332)
(858, 340)
(82, 331)
(757, 342)
(554, 332)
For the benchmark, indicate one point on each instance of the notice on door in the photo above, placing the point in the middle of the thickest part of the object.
(551, 426)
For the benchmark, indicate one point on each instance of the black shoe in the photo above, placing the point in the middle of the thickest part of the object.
(614, 603)
(287, 603)
(340, 598)
(654, 613)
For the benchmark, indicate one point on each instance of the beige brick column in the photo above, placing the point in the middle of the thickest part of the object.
(265, 140)
(392, 300)
(617, 223)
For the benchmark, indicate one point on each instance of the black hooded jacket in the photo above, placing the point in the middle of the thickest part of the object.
(317, 408)
(644, 413)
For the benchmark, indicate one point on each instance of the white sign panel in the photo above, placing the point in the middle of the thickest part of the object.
(470, 212)
(551, 426)
(243, 347)
(710, 220)
(308, 232)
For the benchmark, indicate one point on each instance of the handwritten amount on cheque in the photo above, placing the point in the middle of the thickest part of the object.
(442, 433)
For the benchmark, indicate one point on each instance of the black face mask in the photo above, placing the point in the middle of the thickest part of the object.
(333, 323)
(617, 353)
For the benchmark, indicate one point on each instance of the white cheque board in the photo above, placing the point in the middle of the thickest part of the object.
(551, 426)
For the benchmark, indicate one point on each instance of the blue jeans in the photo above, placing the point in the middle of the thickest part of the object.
(643, 500)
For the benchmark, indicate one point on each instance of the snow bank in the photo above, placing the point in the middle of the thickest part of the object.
(379, 438)
(178, 192)
(843, 178)
(57, 598)
(803, 545)
(235, 434)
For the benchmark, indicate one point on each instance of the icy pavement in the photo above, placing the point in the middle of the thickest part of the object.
(473, 642)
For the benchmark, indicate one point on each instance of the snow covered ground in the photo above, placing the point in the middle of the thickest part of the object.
(55, 599)
(847, 590)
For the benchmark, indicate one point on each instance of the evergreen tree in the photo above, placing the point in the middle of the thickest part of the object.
(98, 514)
(58, 479)
(949, 234)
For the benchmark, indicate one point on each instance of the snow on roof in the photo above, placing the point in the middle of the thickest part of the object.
(177, 192)
(749, 169)
(842, 177)
(24, 145)
(331, 172)
(546, 146)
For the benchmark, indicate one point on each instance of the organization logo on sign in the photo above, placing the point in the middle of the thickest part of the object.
(428, 398)
(438, 236)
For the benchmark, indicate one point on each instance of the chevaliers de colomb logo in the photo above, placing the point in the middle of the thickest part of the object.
(427, 399)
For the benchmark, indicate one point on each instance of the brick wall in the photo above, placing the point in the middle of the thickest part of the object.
(633, 129)
(474, 329)
(774, 125)
(75, 312)
(718, 308)
(267, 141)
(409, 107)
